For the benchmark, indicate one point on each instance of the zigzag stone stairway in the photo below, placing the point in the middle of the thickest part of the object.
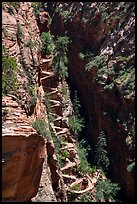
(60, 110)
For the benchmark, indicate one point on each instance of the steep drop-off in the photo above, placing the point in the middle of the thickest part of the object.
(106, 108)
(43, 164)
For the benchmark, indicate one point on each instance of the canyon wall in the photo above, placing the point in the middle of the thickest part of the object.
(36, 168)
(24, 152)
(106, 109)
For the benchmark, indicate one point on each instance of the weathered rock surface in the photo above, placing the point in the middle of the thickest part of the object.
(23, 154)
(25, 176)
(24, 151)
(113, 38)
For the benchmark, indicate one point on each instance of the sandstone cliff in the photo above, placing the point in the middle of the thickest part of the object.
(24, 150)
(43, 164)
(104, 33)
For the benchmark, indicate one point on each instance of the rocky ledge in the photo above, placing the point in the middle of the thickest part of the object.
(23, 154)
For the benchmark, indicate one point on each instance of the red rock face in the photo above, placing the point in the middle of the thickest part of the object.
(43, 22)
(94, 100)
(23, 154)
(25, 166)
(23, 158)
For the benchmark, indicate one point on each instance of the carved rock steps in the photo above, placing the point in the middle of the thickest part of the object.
(50, 86)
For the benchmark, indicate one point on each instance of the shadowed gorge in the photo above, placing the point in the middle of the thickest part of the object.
(68, 108)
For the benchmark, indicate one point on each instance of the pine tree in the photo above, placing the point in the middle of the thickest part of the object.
(9, 81)
(60, 57)
(76, 121)
(106, 191)
(47, 43)
(76, 104)
(101, 158)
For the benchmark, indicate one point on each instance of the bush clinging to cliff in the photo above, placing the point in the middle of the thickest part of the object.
(9, 81)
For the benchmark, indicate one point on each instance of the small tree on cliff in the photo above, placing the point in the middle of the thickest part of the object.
(76, 121)
(60, 58)
(101, 158)
(47, 43)
(9, 81)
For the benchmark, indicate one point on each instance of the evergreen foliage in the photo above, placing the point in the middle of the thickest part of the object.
(130, 167)
(19, 30)
(76, 104)
(12, 5)
(37, 8)
(86, 197)
(76, 122)
(4, 50)
(65, 154)
(41, 126)
(47, 43)
(60, 57)
(48, 107)
(83, 153)
(101, 158)
(106, 191)
(95, 62)
(31, 44)
(132, 135)
(75, 187)
(9, 81)
(16, 5)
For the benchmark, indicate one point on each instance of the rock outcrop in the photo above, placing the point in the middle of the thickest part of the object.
(25, 167)
(23, 154)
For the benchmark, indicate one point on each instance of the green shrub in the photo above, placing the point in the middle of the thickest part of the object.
(37, 8)
(75, 124)
(106, 191)
(86, 197)
(29, 73)
(121, 58)
(116, 17)
(101, 158)
(95, 62)
(16, 5)
(47, 43)
(132, 136)
(130, 167)
(31, 44)
(32, 94)
(9, 81)
(31, 89)
(60, 57)
(4, 50)
(65, 14)
(19, 30)
(41, 126)
(83, 153)
(48, 107)
(76, 105)
(65, 154)
(75, 187)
